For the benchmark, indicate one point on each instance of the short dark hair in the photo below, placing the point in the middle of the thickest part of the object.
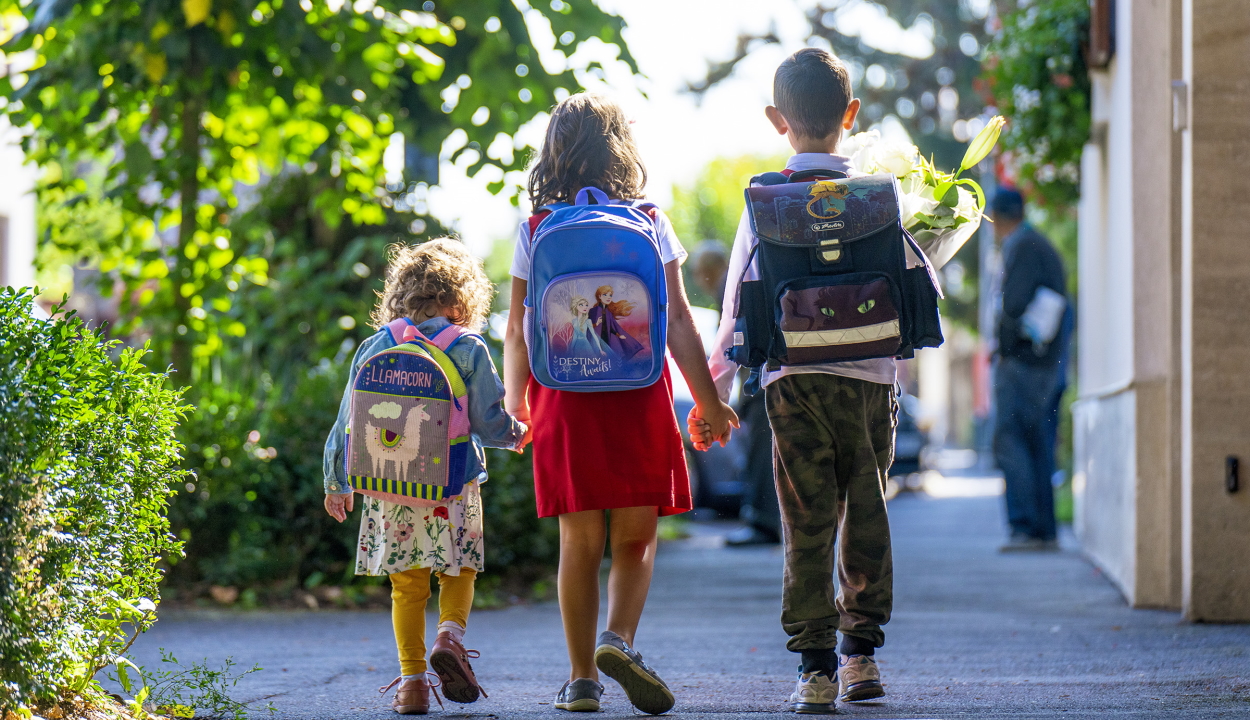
(812, 89)
(1008, 204)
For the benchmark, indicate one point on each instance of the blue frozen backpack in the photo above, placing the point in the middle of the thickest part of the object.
(597, 309)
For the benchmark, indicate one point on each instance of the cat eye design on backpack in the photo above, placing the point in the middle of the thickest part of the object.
(840, 279)
(839, 318)
(597, 304)
(408, 432)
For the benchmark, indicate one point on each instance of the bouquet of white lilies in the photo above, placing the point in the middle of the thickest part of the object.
(941, 210)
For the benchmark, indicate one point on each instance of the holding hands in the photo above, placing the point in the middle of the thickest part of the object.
(711, 425)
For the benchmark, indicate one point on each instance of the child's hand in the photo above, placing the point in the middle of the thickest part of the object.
(525, 439)
(700, 431)
(339, 505)
(719, 418)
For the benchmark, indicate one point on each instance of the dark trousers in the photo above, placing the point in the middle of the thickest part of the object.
(834, 441)
(1026, 399)
(759, 497)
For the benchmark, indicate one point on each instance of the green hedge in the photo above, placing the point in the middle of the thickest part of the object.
(88, 458)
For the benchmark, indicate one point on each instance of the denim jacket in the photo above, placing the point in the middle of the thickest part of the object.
(489, 424)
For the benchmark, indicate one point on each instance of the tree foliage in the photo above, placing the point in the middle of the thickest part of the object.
(191, 104)
(1039, 78)
(89, 460)
(926, 76)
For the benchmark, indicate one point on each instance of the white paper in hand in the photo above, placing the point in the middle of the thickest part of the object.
(1041, 319)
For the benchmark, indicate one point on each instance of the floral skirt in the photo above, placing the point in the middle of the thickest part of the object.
(395, 538)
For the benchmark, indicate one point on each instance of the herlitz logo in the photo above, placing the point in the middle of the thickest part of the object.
(825, 226)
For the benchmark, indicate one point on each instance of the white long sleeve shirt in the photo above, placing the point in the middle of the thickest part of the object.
(880, 370)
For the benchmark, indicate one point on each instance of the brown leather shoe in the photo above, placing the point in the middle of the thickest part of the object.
(413, 696)
(451, 661)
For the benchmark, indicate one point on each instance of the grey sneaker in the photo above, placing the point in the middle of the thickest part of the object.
(1020, 542)
(859, 678)
(814, 694)
(580, 695)
(643, 686)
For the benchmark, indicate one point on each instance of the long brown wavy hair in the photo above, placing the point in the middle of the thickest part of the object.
(588, 144)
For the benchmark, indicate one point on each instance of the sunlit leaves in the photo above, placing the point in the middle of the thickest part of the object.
(1036, 71)
(88, 442)
(281, 87)
(196, 11)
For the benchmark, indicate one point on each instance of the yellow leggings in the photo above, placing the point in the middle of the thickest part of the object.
(410, 590)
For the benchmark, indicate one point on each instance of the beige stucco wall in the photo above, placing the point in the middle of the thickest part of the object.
(17, 203)
(1216, 299)
(1123, 481)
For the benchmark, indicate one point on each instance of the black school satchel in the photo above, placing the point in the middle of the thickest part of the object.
(834, 283)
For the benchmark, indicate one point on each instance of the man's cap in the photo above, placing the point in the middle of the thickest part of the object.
(1007, 203)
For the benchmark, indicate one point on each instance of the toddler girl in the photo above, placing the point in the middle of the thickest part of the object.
(619, 452)
(433, 285)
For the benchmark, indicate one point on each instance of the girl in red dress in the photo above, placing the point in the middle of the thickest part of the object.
(617, 453)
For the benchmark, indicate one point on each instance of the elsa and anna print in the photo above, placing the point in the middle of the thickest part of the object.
(599, 340)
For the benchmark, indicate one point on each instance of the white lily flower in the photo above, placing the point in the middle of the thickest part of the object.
(895, 158)
(858, 148)
(967, 205)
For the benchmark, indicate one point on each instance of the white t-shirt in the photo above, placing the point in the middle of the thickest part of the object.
(670, 246)
(878, 370)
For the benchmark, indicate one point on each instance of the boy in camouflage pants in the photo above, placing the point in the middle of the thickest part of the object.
(833, 425)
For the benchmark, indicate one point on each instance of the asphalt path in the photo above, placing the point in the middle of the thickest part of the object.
(974, 634)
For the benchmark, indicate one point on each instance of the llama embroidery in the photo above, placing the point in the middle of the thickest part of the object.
(388, 446)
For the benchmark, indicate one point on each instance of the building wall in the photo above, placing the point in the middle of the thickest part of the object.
(1216, 297)
(1104, 416)
(1165, 287)
(17, 207)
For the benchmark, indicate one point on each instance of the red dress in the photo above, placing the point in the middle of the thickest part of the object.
(598, 451)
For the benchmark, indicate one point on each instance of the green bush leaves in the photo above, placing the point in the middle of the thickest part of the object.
(88, 459)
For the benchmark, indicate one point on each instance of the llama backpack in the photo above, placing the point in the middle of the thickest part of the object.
(597, 305)
(408, 431)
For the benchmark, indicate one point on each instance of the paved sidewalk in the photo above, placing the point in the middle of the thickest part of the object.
(974, 634)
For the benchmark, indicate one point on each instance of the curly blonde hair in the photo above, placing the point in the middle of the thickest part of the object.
(433, 277)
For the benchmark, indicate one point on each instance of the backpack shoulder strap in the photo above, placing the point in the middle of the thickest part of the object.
(535, 220)
(399, 330)
(450, 335)
(651, 209)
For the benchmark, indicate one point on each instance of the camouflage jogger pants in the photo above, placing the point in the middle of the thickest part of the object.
(834, 442)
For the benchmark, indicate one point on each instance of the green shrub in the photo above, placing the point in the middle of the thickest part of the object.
(88, 459)
(254, 517)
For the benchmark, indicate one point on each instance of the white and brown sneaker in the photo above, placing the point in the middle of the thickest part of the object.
(859, 678)
(451, 661)
(814, 694)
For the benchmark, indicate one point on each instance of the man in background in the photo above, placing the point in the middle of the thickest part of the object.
(1034, 324)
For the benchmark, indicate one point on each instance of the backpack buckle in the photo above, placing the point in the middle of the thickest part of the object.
(830, 251)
